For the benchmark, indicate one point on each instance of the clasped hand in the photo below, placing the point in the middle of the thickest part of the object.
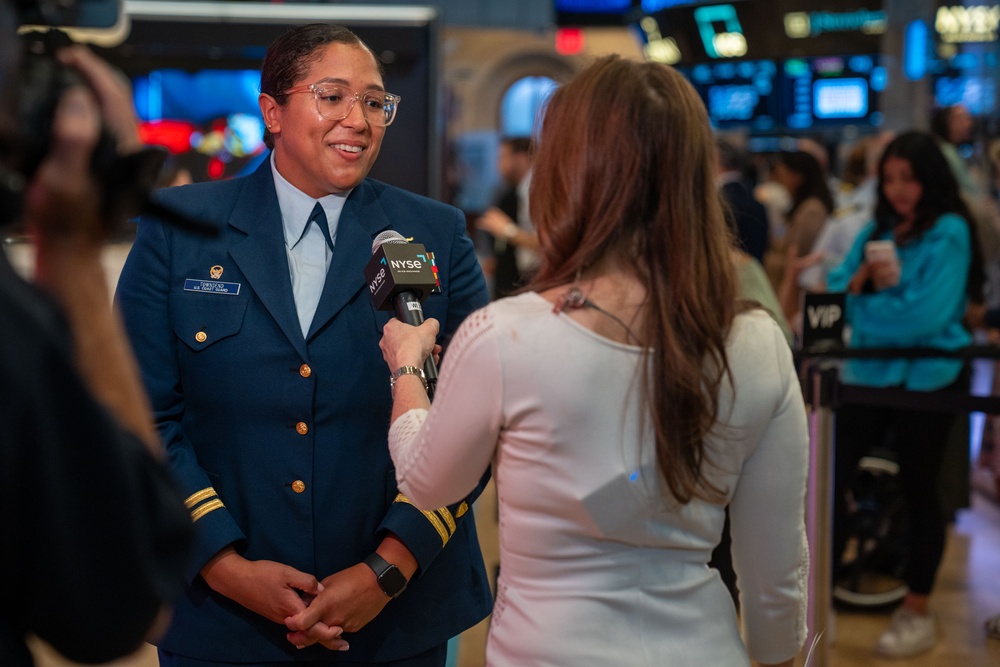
(314, 612)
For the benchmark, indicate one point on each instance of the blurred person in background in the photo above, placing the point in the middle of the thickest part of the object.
(624, 402)
(515, 243)
(918, 301)
(812, 203)
(952, 126)
(748, 216)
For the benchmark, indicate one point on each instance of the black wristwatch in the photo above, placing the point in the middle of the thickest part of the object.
(390, 579)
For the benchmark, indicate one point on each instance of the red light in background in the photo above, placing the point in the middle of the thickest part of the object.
(569, 41)
(174, 135)
(216, 168)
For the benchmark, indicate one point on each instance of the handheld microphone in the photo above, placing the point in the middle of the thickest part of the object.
(400, 277)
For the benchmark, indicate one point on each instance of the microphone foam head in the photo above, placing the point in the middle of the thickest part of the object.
(388, 236)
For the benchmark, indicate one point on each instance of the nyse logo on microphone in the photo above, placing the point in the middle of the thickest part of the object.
(406, 264)
(396, 268)
(375, 284)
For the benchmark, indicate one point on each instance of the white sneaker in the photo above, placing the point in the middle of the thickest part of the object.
(909, 633)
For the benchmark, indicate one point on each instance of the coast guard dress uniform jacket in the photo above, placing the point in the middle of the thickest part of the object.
(279, 441)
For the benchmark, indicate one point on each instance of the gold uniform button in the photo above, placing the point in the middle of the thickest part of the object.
(201, 336)
(302, 428)
(298, 486)
(305, 371)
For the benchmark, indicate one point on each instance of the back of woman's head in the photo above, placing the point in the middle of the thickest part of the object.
(812, 180)
(624, 167)
(625, 175)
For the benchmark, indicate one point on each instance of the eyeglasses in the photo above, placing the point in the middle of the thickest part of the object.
(336, 103)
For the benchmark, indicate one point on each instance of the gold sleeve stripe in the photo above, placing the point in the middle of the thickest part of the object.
(462, 509)
(430, 516)
(438, 526)
(446, 515)
(210, 506)
(199, 496)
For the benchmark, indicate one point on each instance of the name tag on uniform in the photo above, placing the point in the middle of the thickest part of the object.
(211, 286)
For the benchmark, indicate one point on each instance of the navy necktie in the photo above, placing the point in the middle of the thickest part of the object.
(318, 216)
(310, 275)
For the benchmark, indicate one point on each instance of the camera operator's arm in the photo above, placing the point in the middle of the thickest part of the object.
(96, 532)
(63, 212)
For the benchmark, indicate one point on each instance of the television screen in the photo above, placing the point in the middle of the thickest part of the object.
(831, 90)
(840, 98)
(738, 94)
(592, 12)
(195, 71)
(208, 120)
(612, 12)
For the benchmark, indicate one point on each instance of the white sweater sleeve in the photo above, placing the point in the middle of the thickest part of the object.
(440, 454)
(770, 552)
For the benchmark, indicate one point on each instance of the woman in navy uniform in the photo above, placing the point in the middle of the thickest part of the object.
(260, 351)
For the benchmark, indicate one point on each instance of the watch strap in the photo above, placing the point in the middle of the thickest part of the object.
(380, 566)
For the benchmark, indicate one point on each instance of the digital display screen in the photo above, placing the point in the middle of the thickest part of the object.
(740, 94)
(208, 120)
(594, 6)
(732, 102)
(831, 90)
(978, 94)
(840, 98)
(775, 29)
(592, 12)
(613, 12)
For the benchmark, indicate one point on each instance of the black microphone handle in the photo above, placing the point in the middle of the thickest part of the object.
(415, 316)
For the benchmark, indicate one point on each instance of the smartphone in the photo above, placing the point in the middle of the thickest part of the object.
(881, 251)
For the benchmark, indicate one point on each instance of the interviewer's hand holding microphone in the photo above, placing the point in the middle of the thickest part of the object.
(407, 346)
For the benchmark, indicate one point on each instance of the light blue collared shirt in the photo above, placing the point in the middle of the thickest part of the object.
(309, 256)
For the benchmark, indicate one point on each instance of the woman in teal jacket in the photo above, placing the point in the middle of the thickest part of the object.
(916, 298)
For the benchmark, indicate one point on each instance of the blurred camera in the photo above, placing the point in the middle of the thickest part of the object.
(124, 180)
(68, 13)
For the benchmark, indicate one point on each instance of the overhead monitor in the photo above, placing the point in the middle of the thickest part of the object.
(832, 90)
(741, 94)
(775, 29)
(613, 12)
(977, 93)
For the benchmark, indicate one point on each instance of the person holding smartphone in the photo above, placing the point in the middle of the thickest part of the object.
(908, 278)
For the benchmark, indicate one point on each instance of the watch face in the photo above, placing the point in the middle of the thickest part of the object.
(392, 581)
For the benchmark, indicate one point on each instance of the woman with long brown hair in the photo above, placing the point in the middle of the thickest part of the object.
(623, 400)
